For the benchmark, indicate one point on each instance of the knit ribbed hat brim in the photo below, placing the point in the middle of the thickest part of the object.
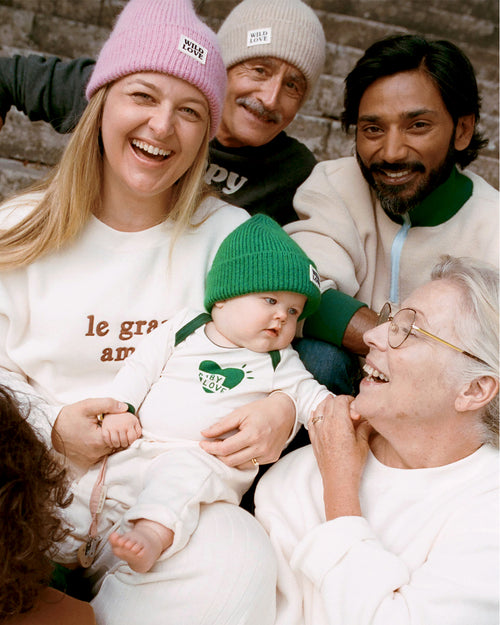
(164, 36)
(259, 256)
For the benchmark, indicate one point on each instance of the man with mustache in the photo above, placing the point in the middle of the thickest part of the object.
(274, 53)
(376, 223)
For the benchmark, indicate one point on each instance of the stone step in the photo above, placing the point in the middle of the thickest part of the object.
(347, 36)
(340, 59)
(42, 33)
(369, 9)
(359, 21)
(52, 35)
(35, 142)
(16, 175)
(475, 21)
(94, 12)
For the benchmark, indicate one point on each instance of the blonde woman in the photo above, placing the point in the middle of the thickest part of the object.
(115, 243)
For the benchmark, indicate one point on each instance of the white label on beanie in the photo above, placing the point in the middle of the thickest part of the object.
(314, 276)
(258, 37)
(192, 49)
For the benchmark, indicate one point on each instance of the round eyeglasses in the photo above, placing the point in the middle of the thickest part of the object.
(403, 322)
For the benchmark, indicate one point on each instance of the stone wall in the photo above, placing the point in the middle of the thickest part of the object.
(68, 29)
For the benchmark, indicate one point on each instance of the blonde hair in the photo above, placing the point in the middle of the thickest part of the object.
(72, 193)
(477, 325)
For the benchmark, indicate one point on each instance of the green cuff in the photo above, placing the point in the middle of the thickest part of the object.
(331, 319)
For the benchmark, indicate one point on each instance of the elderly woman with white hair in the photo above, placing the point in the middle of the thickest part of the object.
(391, 516)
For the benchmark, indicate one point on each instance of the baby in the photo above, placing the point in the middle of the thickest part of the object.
(188, 374)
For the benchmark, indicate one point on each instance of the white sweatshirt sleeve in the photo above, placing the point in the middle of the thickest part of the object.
(41, 412)
(326, 230)
(361, 582)
(292, 378)
(143, 368)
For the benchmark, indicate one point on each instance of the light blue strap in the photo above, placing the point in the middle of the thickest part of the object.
(397, 248)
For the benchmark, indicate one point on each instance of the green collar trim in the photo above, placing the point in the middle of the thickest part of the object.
(442, 204)
(275, 358)
(191, 326)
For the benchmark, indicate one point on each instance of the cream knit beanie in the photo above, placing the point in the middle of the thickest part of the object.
(286, 29)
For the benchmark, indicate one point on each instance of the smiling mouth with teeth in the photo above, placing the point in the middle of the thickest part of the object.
(374, 375)
(150, 150)
(394, 175)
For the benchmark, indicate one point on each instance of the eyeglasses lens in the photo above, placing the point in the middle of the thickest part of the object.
(400, 327)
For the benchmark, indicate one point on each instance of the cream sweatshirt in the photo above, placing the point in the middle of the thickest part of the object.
(425, 551)
(69, 320)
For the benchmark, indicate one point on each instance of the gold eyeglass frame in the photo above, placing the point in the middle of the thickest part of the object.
(385, 316)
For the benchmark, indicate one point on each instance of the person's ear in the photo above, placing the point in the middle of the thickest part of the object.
(219, 304)
(476, 394)
(464, 131)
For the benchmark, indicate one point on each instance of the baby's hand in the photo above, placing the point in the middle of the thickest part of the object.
(120, 430)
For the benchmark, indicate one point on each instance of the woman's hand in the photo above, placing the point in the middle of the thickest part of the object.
(258, 430)
(340, 444)
(76, 432)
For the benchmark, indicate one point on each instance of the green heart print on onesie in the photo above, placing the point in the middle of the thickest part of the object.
(217, 380)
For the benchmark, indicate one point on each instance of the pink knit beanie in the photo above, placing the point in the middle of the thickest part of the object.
(164, 36)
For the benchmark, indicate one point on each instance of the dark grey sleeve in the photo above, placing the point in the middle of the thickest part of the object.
(45, 89)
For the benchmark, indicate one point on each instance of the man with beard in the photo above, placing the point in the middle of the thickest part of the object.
(377, 223)
(274, 53)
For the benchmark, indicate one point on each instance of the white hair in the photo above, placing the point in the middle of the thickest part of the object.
(477, 324)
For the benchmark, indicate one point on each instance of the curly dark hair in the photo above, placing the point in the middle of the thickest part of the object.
(33, 486)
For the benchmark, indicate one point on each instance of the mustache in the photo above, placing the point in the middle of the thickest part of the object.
(395, 167)
(259, 110)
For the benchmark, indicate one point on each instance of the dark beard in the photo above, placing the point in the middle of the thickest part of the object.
(390, 195)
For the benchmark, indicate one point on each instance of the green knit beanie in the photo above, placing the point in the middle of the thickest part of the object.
(259, 256)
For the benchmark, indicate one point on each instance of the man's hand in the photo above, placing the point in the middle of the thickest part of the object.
(76, 432)
(258, 430)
